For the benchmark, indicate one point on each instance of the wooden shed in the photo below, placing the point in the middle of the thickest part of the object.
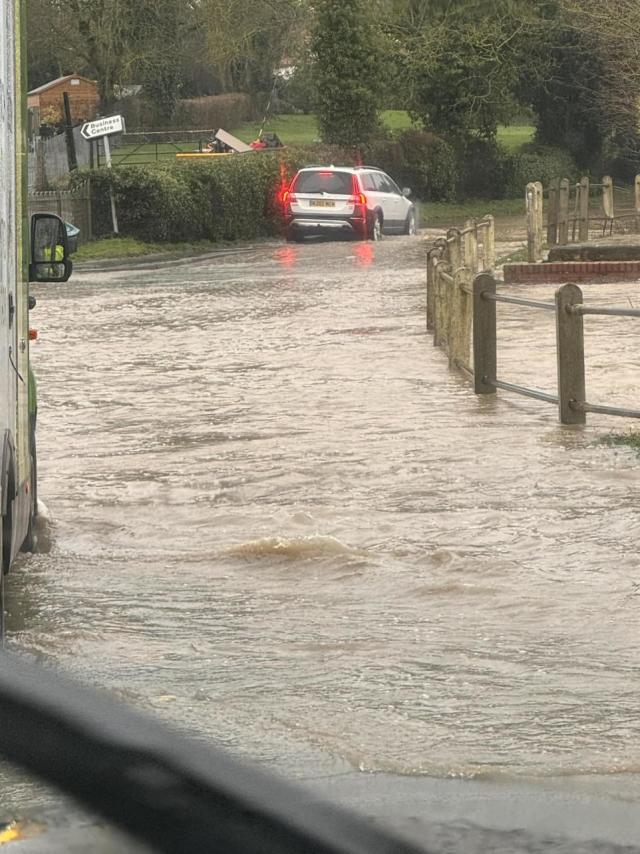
(47, 99)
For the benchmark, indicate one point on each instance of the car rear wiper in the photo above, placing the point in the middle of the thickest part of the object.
(176, 794)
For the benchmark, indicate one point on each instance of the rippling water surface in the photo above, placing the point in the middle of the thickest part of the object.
(279, 521)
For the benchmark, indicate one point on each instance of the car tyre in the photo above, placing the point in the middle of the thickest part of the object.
(410, 226)
(375, 227)
(292, 236)
(31, 540)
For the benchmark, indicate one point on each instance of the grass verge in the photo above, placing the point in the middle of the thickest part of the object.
(129, 247)
(433, 214)
(630, 440)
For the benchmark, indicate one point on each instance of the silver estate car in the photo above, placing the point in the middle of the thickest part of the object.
(360, 201)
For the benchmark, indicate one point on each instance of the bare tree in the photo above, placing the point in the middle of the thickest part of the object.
(613, 29)
(92, 37)
(248, 39)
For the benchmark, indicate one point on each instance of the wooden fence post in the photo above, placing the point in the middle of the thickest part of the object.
(563, 212)
(534, 221)
(552, 214)
(607, 200)
(583, 210)
(437, 311)
(489, 244)
(484, 334)
(432, 260)
(570, 348)
(539, 215)
(530, 200)
(470, 259)
(456, 261)
(459, 347)
(454, 242)
(439, 314)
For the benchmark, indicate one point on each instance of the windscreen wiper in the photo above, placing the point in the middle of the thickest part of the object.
(173, 793)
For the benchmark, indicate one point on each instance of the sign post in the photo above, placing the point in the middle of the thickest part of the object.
(104, 128)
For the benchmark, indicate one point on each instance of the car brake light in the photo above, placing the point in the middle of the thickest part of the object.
(357, 196)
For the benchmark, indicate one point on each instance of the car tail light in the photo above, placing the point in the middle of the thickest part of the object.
(288, 198)
(358, 198)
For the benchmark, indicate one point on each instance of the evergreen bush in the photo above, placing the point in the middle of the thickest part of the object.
(543, 164)
(347, 71)
(419, 160)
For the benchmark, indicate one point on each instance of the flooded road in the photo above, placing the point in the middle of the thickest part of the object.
(280, 522)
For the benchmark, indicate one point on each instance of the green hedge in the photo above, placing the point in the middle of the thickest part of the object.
(487, 170)
(230, 198)
(419, 160)
(236, 197)
(543, 164)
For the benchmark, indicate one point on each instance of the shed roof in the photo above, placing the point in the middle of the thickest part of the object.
(58, 81)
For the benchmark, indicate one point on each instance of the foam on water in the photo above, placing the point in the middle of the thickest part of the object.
(294, 548)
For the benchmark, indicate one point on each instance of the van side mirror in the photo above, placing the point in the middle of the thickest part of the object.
(406, 192)
(49, 249)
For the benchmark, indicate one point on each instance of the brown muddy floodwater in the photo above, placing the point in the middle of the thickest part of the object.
(278, 521)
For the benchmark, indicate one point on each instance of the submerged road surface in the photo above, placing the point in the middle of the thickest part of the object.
(278, 520)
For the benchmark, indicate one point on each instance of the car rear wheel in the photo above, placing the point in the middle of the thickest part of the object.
(31, 540)
(293, 236)
(410, 226)
(375, 228)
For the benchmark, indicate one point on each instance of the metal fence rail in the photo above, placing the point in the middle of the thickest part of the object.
(569, 311)
(532, 303)
(461, 313)
(523, 390)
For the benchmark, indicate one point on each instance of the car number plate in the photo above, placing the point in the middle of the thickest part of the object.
(321, 203)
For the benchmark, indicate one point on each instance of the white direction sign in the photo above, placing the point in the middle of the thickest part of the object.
(102, 127)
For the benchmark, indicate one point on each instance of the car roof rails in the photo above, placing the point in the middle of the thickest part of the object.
(363, 166)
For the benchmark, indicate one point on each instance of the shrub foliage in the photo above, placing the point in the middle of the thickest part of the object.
(347, 71)
(227, 198)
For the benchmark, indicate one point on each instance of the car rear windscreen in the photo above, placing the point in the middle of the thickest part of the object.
(325, 181)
